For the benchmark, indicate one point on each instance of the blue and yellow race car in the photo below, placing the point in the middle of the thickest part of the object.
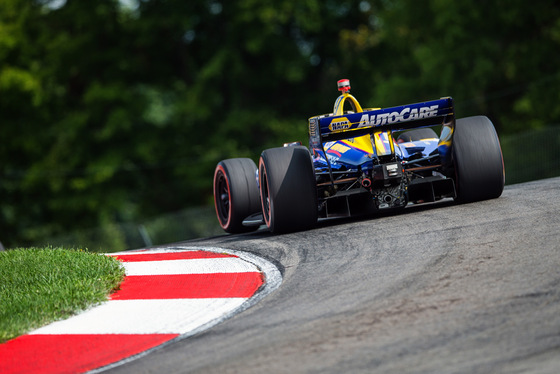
(360, 161)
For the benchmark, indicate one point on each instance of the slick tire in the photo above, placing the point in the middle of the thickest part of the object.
(478, 160)
(417, 134)
(288, 189)
(236, 195)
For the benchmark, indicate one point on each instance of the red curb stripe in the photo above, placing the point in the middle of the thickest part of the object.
(189, 286)
(72, 353)
(188, 255)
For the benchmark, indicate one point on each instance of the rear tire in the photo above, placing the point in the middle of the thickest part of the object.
(236, 195)
(417, 134)
(478, 160)
(288, 189)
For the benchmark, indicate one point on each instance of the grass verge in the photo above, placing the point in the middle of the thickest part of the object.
(42, 285)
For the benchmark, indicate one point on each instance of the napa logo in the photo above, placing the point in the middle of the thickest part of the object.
(339, 124)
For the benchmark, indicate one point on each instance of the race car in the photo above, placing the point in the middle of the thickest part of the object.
(360, 161)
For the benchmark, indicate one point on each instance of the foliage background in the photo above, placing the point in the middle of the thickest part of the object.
(114, 112)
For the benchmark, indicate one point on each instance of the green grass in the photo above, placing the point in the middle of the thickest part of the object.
(39, 286)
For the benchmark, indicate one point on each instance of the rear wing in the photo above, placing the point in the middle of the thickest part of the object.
(330, 128)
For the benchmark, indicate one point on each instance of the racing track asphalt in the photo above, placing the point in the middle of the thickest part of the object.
(446, 288)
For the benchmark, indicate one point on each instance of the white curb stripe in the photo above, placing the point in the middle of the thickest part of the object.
(144, 317)
(192, 266)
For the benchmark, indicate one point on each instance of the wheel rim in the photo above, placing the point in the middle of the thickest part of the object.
(223, 203)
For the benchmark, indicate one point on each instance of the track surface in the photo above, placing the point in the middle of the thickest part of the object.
(447, 288)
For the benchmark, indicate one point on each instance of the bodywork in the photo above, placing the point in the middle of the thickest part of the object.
(361, 166)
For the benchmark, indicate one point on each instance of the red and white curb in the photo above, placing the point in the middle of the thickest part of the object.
(168, 294)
